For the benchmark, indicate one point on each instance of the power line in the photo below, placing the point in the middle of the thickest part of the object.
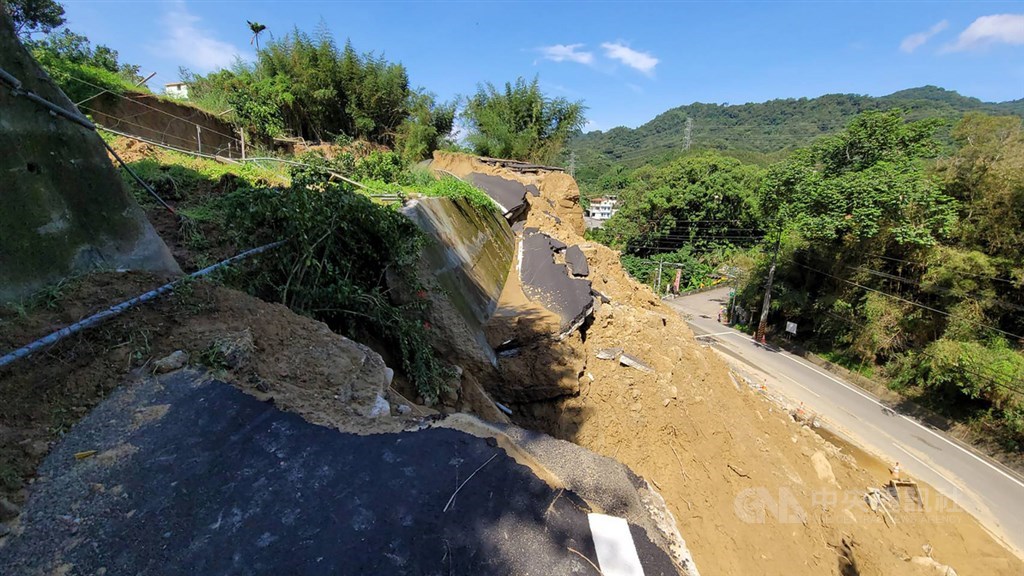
(704, 237)
(919, 305)
(923, 265)
(143, 104)
(945, 291)
(137, 125)
(988, 377)
(642, 220)
(665, 249)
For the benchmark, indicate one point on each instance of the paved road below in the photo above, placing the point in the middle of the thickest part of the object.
(985, 488)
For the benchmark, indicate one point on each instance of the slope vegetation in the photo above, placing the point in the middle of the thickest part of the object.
(759, 132)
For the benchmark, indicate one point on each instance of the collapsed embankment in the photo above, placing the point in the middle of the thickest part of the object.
(752, 491)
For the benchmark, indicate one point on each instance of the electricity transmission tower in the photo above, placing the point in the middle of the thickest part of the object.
(687, 132)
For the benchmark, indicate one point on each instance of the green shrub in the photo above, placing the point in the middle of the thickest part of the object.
(449, 187)
(381, 166)
(959, 375)
(341, 246)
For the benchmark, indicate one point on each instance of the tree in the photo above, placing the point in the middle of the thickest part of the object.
(520, 122)
(702, 201)
(427, 128)
(987, 175)
(256, 28)
(868, 180)
(305, 85)
(32, 16)
(78, 67)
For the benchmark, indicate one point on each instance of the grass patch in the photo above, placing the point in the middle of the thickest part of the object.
(851, 364)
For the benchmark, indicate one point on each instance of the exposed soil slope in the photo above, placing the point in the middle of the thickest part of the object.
(265, 349)
(752, 491)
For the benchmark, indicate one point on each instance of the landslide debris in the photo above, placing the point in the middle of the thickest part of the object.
(262, 348)
(752, 491)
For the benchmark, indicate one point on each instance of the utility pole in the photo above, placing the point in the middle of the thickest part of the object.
(572, 163)
(658, 289)
(687, 132)
(763, 324)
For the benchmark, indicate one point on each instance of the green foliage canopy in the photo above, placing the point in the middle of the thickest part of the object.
(31, 16)
(864, 181)
(304, 85)
(703, 201)
(520, 122)
(71, 58)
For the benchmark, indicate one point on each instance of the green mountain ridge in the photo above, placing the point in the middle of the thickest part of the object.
(759, 132)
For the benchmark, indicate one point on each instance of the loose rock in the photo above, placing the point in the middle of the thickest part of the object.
(172, 361)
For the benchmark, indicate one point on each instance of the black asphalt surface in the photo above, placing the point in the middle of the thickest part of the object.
(549, 283)
(222, 483)
(576, 261)
(509, 194)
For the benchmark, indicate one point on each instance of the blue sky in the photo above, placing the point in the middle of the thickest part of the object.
(628, 61)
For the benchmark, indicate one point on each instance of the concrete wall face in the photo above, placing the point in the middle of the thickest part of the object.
(464, 265)
(63, 206)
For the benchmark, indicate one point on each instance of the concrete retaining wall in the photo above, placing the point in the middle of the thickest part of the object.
(63, 206)
(464, 267)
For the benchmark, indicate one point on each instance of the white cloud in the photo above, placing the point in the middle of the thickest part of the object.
(915, 41)
(566, 52)
(192, 45)
(986, 30)
(641, 61)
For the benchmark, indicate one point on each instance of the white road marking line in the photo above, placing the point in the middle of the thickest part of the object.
(911, 420)
(715, 334)
(800, 385)
(613, 542)
(907, 452)
(907, 418)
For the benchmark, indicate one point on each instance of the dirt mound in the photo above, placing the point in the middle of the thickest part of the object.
(750, 488)
(264, 349)
(131, 150)
(358, 149)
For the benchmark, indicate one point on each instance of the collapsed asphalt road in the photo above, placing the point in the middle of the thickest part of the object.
(510, 195)
(550, 284)
(191, 475)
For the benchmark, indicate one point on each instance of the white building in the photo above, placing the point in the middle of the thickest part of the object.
(603, 208)
(176, 90)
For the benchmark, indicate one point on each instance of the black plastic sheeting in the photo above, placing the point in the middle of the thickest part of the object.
(223, 483)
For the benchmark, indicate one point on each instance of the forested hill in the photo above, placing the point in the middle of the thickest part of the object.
(759, 132)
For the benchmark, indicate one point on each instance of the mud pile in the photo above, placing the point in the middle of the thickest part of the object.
(752, 491)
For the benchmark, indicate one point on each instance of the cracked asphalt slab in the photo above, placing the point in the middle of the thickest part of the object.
(550, 284)
(192, 475)
(509, 194)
